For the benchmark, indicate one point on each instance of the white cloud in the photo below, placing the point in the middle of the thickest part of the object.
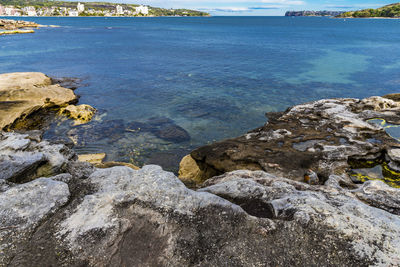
(284, 2)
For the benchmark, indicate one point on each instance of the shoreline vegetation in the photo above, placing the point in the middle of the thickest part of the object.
(44, 8)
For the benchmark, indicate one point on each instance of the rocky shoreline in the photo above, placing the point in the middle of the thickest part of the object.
(251, 206)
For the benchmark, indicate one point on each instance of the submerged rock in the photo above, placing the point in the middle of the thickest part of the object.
(89, 133)
(173, 133)
(84, 216)
(320, 136)
(162, 127)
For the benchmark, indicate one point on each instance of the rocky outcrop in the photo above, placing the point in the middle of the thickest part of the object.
(332, 136)
(26, 94)
(83, 216)
(9, 24)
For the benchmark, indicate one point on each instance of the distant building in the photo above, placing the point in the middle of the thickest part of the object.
(2, 10)
(120, 10)
(80, 7)
(142, 9)
(73, 13)
(31, 11)
(10, 11)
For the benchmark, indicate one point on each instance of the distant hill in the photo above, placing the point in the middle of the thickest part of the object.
(313, 13)
(389, 11)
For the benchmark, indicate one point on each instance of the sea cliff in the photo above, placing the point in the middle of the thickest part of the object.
(56, 210)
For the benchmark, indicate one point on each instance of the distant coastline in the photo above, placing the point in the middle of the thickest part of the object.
(44, 8)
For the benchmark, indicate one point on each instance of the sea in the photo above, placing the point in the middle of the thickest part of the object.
(211, 78)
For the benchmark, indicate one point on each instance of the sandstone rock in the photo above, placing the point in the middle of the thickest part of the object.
(22, 94)
(110, 164)
(81, 114)
(92, 158)
(189, 171)
(322, 136)
(16, 32)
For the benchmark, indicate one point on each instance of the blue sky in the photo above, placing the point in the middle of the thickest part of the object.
(262, 7)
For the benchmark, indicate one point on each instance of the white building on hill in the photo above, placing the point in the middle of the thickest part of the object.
(120, 10)
(73, 13)
(142, 9)
(80, 7)
(31, 11)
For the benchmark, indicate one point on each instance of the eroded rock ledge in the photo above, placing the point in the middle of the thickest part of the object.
(57, 211)
(331, 136)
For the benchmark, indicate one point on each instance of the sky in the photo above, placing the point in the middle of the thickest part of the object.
(262, 7)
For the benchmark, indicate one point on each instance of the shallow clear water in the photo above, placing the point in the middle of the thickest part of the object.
(215, 77)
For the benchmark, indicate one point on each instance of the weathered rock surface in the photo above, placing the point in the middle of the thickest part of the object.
(23, 158)
(83, 216)
(322, 136)
(24, 94)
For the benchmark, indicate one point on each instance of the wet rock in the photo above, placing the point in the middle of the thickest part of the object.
(322, 135)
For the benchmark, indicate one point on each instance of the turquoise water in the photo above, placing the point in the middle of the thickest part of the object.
(215, 77)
